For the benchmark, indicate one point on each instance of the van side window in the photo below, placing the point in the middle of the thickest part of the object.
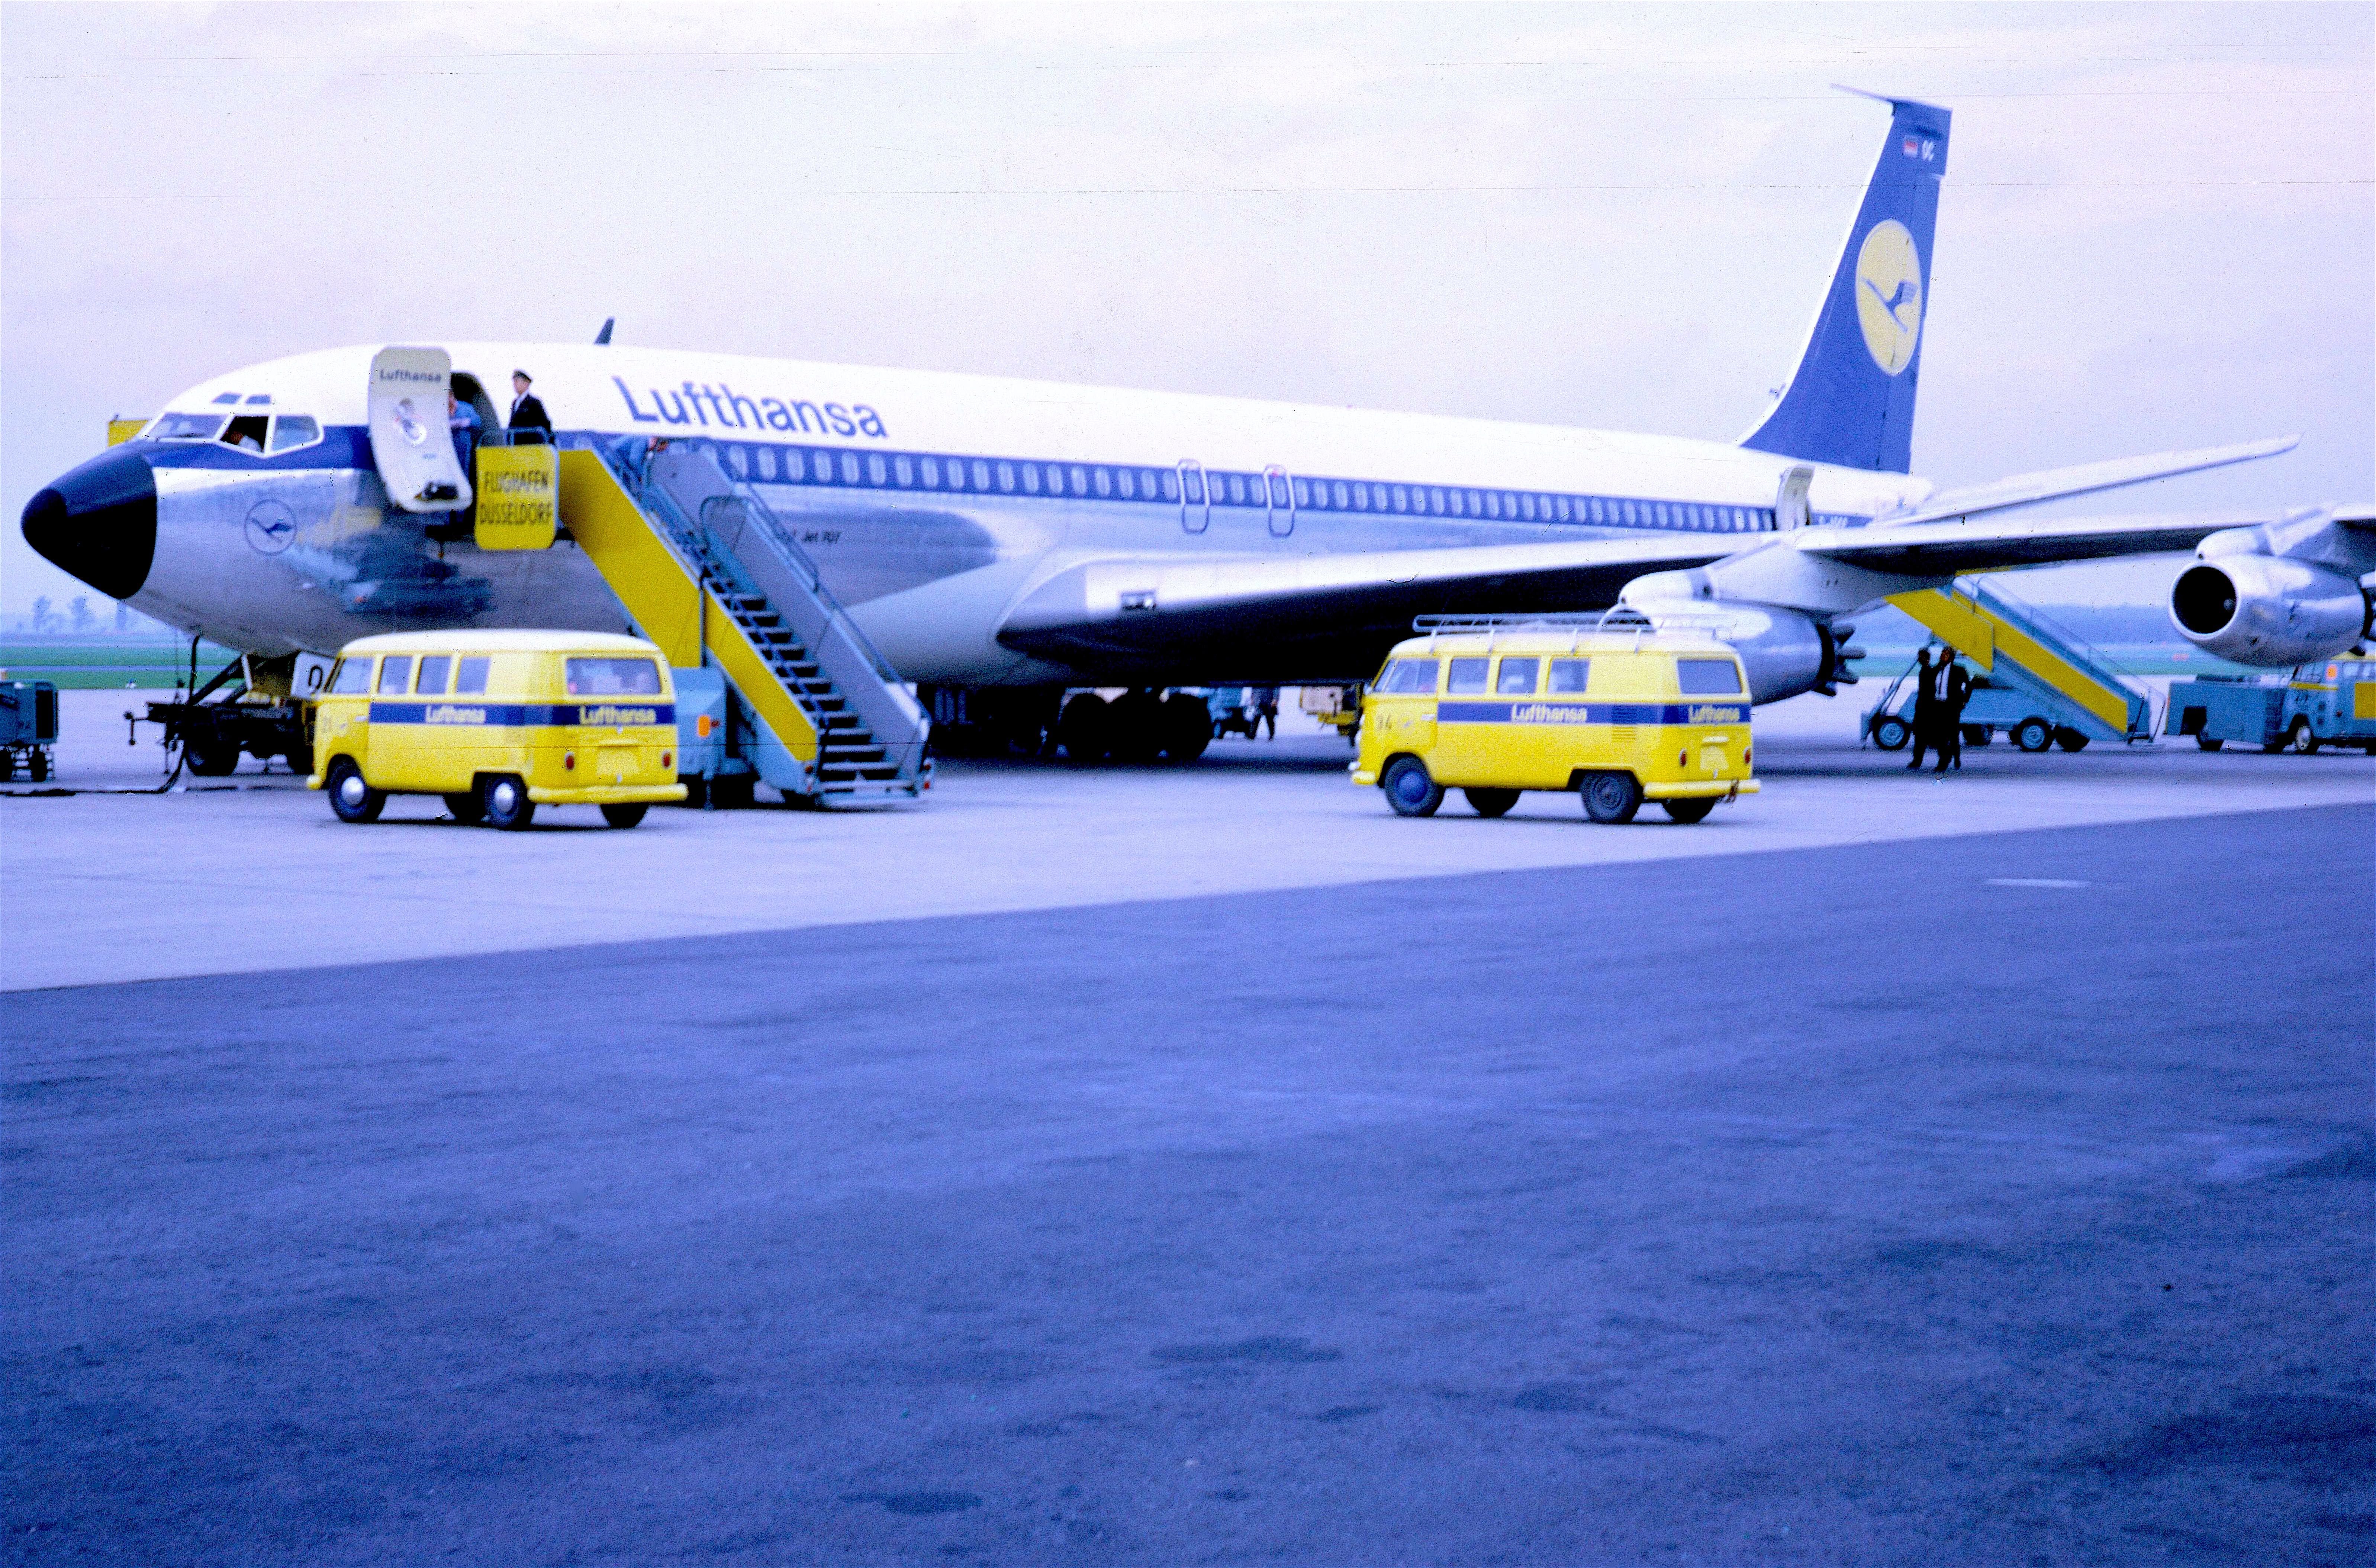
(353, 678)
(1567, 675)
(613, 678)
(395, 672)
(1708, 677)
(1406, 676)
(472, 679)
(1468, 675)
(1517, 678)
(434, 670)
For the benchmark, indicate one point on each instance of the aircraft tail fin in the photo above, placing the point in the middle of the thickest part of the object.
(1851, 400)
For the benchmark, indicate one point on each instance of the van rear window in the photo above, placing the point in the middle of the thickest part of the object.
(1708, 677)
(1408, 675)
(613, 678)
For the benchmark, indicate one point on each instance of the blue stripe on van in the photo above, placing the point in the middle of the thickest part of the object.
(1556, 712)
(515, 714)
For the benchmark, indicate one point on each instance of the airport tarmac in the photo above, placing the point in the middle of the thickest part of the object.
(1155, 1165)
(252, 872)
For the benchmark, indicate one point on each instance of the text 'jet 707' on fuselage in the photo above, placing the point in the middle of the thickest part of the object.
(991, 533)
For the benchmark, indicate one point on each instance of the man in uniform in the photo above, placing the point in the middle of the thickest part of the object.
(528, 413)
(1951, 713)
(1926, 710)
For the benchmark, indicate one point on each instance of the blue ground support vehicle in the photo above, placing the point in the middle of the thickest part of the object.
(28, 728)
(2331, 703)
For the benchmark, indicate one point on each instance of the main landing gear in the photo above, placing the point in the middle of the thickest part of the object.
(1146, 724)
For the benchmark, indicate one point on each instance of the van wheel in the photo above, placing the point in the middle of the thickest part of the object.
(1490, 803)
(1612, 798)
(1694, 809)
(2033, 734)
(2301, 740)
(505, 799)
(353, 800)
(466, 808)
(625, 815)
(1408, 788)
(1891, 732)
(2209, 742)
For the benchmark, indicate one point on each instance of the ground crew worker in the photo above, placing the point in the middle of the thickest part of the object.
(1951, 717)
(1265, 711)
(463, 420)
(1926, 709)
(527, 412)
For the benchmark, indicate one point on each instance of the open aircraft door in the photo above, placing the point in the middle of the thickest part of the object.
(410, 441)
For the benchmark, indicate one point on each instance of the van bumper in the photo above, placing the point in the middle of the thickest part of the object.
(607, 795)
(1722, 789)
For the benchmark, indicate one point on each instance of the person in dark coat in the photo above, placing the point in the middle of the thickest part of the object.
(1951, 714)
(1926, 709)
(528, 413)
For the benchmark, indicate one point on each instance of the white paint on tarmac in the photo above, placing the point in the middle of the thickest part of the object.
(253, 872)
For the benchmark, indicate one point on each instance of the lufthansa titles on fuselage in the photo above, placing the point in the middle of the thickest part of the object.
(722, 407)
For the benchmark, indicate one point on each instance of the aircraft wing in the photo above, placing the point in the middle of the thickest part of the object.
(1941, 550)
(1330, 616)
(2055, 485)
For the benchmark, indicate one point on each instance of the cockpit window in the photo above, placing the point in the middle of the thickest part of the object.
(186, 427)
(246, 433)
(291, 431)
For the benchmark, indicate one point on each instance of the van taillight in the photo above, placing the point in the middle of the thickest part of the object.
(569, 759)
(668, 759)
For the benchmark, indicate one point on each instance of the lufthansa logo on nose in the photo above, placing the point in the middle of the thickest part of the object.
(270, 527)
(1889, 295)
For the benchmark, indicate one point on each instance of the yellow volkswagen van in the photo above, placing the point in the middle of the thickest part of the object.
(499, 723)
(1620, 715)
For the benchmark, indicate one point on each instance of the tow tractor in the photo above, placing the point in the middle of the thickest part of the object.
(2332, 703)
(247, 707)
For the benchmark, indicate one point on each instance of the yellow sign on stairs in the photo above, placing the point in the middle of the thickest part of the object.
(519, 497)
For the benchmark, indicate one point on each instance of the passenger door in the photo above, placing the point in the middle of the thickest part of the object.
(411, 443)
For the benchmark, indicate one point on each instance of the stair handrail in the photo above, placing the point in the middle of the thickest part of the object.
(2086, 649)
(781, 538)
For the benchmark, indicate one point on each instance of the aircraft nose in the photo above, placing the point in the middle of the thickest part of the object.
(99, 521)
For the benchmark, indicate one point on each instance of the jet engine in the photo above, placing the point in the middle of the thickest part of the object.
(2268, 609)
(1785, 651)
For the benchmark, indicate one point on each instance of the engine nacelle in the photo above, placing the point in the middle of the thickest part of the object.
(2267, 610)
(1785, 651)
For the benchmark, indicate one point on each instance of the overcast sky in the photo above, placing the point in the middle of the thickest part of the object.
(2157, 233)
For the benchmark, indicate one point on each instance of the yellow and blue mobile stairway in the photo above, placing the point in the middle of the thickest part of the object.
(715, 578)
(2042, 685)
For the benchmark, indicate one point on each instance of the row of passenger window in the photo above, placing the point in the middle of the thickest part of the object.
(1191, 485)
(1524, 676)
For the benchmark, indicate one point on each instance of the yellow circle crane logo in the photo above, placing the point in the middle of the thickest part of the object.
(1889, 295)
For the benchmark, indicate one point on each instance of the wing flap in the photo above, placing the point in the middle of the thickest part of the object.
(1943, 549)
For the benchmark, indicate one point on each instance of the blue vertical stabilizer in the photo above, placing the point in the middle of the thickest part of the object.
(1851, 400)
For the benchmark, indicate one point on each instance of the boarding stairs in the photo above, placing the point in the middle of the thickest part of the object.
(2022, 650)
(712, 575)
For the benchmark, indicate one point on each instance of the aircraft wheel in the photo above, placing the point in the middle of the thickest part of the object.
(505, 799)
(2071, 740)
(1135, 727)
(1891, 732)
(2301, 740)
(2033, 734)
(353, 800)
(2209, 742)
(1612, 798)
(1693, 809)
(1082, 731)
(1187, 728)
(467, 809)
(625, 816)
(1491, 802)
(1410, 789)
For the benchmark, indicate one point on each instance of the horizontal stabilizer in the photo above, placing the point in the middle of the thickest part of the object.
(2054, 484)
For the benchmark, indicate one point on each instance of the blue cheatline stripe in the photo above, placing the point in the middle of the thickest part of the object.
(1558, 713)
(462, 711)
(1040, 479)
